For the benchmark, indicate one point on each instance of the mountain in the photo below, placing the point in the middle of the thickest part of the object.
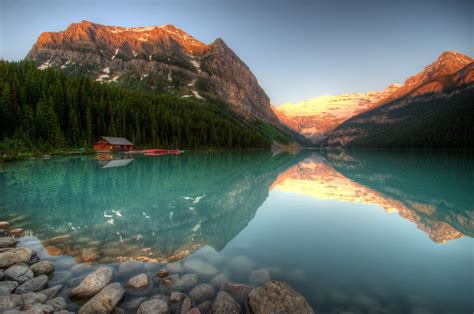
(317, 117)
(432, 109)
(158, 58)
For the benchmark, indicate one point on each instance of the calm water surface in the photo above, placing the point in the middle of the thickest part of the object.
(367, 232)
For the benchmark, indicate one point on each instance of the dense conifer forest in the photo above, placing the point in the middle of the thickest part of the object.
(44, 110)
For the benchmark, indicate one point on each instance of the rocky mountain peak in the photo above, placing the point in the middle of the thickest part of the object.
(158, 58)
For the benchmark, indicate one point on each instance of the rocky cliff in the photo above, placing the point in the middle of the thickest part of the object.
(159, 58)
(317, 117)
(432, 109)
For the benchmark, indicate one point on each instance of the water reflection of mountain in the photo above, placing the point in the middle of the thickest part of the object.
(433, 191)
(153, 208)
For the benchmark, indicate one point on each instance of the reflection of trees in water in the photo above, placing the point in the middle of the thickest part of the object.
(435, 188)
(167, 204)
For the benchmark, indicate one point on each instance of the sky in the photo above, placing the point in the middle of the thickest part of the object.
(297, 49)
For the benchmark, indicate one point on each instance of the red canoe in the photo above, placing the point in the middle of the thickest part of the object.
(162, 151)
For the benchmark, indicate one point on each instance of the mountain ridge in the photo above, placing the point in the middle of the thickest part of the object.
(159, 58)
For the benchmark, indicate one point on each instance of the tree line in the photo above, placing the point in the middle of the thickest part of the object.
(48, 109)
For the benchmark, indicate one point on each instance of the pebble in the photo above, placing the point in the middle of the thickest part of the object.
(7, 242)
(202, 293)
(163, 273)
(14, 256)
(4, 225)
(52, 292)
(19, 274)
(259, 276)
(17, 232)
(224, 303)
(33, 285)
(42, 268)
(57, 304)
(219, 280)
(6, 287)
(201, 268)
(93, 283)
(105, 300)
(189, 281)
(154, 306)
(170, 284)
(175, 268)
(10, 302)
(139, 281)
(33, 297)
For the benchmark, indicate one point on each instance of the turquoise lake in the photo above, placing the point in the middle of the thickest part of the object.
(354, 231)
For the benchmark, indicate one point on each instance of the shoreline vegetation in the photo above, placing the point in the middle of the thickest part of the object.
(29, 283)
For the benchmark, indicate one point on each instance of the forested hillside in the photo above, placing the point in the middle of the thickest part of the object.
(48, 109)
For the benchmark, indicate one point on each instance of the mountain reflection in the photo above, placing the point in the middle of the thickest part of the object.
(163, 209)
(152, 209)
(434, 191)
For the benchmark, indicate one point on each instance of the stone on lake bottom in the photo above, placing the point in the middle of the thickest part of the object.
(17, 231)
(34, 297)
(177, 297)
(188, 304)
(278, 297)
(10, 302)
(93, 283)
(204, 306)
(14, 256)
(52, 292)
(174, 268)
(201, 268)
(4, 224)
(238, 291)
(171, 283)
(189, 281)
(57, 304)
(260, 276)
(157, 306)
(19, 274)
(162, 273)
(202, 293)
(42, 268)
(33, 285)
(6, 287)
(133, 303)
(139, 281)
(224, 303)
(105, 300)
(7, 242)
(219, 280)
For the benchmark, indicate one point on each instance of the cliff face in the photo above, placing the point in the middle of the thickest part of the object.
(432, 109)
(317, 117)
(159, 58)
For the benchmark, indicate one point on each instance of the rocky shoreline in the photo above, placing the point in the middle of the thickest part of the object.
(27, 286)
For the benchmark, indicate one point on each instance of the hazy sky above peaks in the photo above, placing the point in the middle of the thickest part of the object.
(297, 49)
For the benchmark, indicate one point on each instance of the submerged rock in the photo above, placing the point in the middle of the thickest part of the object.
(157, 306)
(33, 285)
(204, 306)
(33, 297)
(241, 266)
(174, 268)
(93, 283)
(238, 291)
(177, 297)
(189, 281)
(133, 303)
(202, 293)
(171, 283)
(139, 282)
(4, 224)
(7, 242)
(52, 292)
(19, 274)
(224, 303)
(129, 268)
(260, 276)
(17, 232)
(6, 287)
(201, 268)
(277, 297)
(14, 256)
(57, 304)
(61, 277)
(219, 280)
(105, 300)
(43, 267)
(187, 305)
(162, 273)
